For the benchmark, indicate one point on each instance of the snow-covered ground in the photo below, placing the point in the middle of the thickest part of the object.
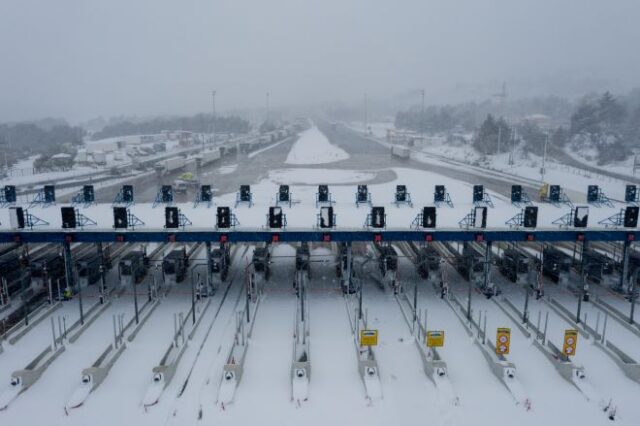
(624, 167)
(266, 148)
(313, 147)
(526, 165)
(435, 150)
(319, 176)
(336, 391)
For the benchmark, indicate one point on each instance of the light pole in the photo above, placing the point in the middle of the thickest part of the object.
(365, 114)
(213, 124)
(422, 129)
(267, 117)
(544, 158)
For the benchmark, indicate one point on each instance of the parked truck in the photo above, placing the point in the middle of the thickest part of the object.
(170, 165)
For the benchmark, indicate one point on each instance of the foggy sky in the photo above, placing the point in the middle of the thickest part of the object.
(78, 59)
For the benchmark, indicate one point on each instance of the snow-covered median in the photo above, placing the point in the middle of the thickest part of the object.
(313, 147)
(320, 176)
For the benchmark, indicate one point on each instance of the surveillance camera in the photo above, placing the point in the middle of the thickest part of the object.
(16, 381)
(157, 378)
(228, 375)
(300, 373)
(371, 371)
(86, 379)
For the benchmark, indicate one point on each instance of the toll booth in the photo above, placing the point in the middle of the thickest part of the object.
(597, 197)
(131, 268)
(481, 197)
(261, 260)
(8, 196)
(303, 259)
(514, 265)
(631, 194)
(125, 196)
(402, 196)
(376, 219)
(45, 197)
(220, 264)
(244, 196)
(519, 196)
(556, 264)
(86, 196)
(88, 269)
(175, 265)
(204, 196)
(441, 196)
(283, 196)
(554, 194)
(362, 195)
(428, 263)
(388, 265)
(164, 196)
(323, 196)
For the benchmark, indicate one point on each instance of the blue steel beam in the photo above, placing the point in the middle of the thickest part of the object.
(140, 236)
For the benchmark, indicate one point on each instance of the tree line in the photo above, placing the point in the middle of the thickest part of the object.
(199, 123)
(601, 123)
(20, 140)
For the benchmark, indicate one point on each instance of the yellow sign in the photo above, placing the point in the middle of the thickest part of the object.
(544, 191)
(368, 337)
(570, 342)
(503, 341)
(435, 339)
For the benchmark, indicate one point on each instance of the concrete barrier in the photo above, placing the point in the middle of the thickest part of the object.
(622, 319)
(149, 306)
(234, 365)
(93, 376)
(163, 373)
(367, 363)
(23, 379)
(567, 315)
(628, 365)
(40, 314)
(92, 314)
(574, 374)
(517, 321)
(301, 357)
(434, 366)
(500, 366)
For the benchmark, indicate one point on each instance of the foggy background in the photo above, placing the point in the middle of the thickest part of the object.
(77, 59)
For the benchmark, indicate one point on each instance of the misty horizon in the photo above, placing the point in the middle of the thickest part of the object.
(78, 61)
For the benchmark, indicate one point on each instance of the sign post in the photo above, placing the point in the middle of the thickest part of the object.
(503, 341)
(570, 342)
(435, 338)
(368, 337)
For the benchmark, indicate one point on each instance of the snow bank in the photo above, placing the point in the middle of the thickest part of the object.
(319, 176)
(313, 147)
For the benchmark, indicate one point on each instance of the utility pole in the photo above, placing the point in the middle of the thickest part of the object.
(544, 158)
(213, 119)
(422, 129)
(365, 114)
(499, 138)
(267, 119)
